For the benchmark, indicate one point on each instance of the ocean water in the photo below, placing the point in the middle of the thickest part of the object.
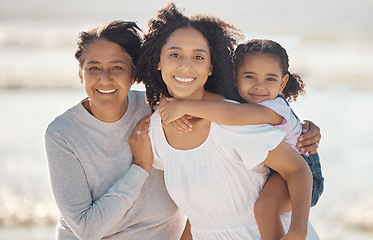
(329, 44)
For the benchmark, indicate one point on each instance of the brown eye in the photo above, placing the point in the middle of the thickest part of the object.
(175, 55)
(198, 57)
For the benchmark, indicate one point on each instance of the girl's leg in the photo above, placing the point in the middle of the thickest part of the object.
(272, 201)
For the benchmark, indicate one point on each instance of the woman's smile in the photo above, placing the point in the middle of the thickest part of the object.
(183, 80)
(106, 91)
(185, 63)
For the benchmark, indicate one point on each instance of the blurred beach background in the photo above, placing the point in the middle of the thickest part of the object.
(330, 44)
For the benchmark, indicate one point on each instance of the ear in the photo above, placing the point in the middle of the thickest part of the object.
(158, 67)
(235, 81)
(210, 70)
(284, 81)
(80, 75)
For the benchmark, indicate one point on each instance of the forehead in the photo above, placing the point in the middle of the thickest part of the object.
(187, 38)
(103, 51)
(261, 59)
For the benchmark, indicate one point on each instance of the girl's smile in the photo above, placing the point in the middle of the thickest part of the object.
(260, 77)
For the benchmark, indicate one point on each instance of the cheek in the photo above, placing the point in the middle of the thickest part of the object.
(243, 85)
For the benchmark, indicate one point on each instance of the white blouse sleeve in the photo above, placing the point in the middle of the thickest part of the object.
(155, 135)
(279, 106)
(250, 143)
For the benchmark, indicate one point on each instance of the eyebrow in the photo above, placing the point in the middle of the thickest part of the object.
(96, 62)
(269, 74)
(194, 50)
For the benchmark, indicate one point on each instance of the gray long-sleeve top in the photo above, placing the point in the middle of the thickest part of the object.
(98, 191)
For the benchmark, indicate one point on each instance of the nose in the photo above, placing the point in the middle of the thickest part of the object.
(105, 76)
(258, 85)
(184, 64)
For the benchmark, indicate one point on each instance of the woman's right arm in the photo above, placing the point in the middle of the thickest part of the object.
(88, 218)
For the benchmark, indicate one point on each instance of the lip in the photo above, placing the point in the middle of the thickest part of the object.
(257, 96)
(106, 91)
(184, 80)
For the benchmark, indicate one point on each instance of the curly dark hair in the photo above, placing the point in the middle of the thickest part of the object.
(221, 37)
(295, 84)
(125, 34)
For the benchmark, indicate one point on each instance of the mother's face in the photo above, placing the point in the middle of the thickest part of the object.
(107, 76)
(185, 63)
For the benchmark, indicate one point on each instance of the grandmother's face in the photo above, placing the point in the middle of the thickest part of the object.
(185, 63)
(107, 77)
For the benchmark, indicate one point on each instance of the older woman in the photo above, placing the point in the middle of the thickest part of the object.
(102, 189)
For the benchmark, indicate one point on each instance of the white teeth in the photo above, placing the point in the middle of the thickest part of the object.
(106, 91)
(184, 79)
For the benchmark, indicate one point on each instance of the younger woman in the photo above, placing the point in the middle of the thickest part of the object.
(262, 77)
(215, 172)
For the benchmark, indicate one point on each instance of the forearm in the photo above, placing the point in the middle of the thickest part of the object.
(228, 113)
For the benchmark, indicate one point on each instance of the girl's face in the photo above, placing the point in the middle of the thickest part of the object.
(260, 77)
(185, 63)
(106, 75)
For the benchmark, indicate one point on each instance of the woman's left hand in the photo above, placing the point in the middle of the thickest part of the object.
(310, 139)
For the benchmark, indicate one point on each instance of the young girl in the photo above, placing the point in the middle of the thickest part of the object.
(215, 172)
(262, 77)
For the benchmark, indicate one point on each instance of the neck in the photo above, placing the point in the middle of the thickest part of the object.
(105, 115)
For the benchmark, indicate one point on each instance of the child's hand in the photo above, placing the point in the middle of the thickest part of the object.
(182, 124)
(170, 110)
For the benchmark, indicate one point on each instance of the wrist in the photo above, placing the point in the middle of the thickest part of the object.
(144, 164)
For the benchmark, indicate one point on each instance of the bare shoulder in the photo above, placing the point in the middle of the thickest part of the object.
(213, 96)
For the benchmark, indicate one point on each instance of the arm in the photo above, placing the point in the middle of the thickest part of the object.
(291, 166)
(227, 113)
(310, 139)
(88, 218)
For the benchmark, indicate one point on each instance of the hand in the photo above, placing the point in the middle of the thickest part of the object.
(182, 124)
(171, 109)
(310, 139)
(140, 144)
(171, 112)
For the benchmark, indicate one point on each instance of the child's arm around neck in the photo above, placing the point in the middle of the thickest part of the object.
(221, 112)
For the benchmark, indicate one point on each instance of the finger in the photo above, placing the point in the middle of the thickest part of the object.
(308, 141)
(140, 124)
(187, 122)
(164, 118)
(311, 134)
(311, 149)
(183, 126)
(176, 127)
(305, 126)
(145, 127)
(170, 99)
